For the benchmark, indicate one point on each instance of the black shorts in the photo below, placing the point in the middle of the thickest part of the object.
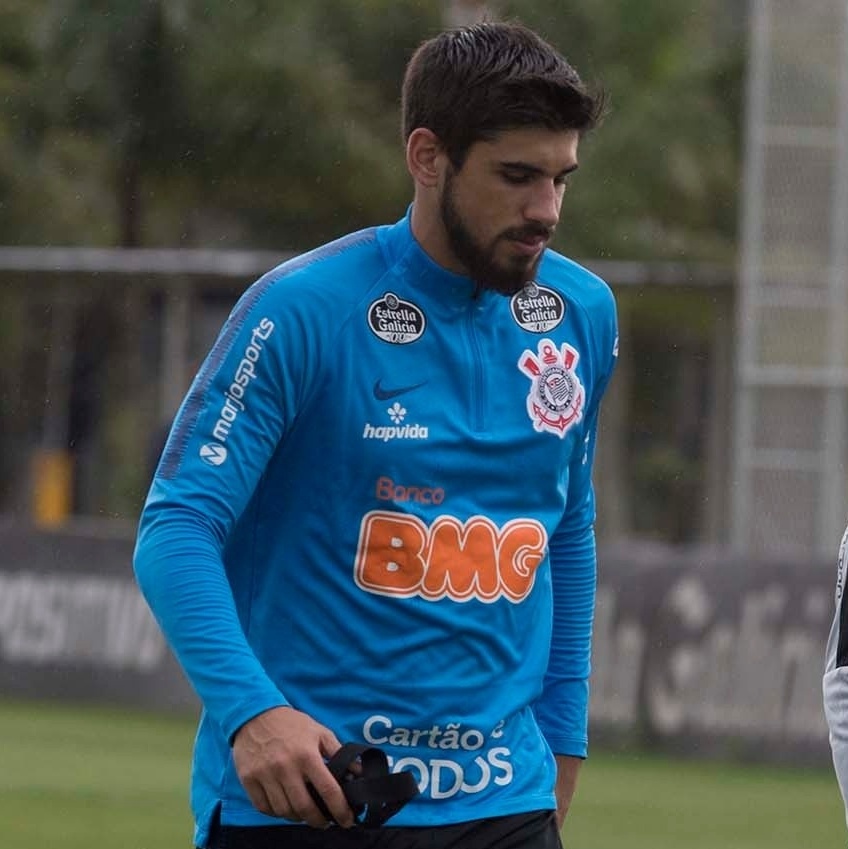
(537, 830)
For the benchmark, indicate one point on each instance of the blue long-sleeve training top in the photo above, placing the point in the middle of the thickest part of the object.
(375, 505)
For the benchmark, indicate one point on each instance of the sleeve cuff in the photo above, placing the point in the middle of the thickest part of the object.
(575, 747)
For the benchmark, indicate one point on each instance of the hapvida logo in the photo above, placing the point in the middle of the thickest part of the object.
(399, 429)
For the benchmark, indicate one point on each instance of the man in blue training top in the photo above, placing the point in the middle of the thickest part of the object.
(373, 518)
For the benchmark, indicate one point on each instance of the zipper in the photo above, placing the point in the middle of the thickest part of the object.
(478, 417)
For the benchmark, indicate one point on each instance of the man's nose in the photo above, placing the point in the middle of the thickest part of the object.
(545, 203)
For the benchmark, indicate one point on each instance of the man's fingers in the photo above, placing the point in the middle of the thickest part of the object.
(328, 743)
(329, 790)
(305, 809)
(280, 751)
(288, 797)
(271, 798)
(280, 799)
(258, 796)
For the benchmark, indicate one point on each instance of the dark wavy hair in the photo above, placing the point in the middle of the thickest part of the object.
(470, 84)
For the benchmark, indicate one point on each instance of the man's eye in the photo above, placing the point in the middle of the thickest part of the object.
(514, 178)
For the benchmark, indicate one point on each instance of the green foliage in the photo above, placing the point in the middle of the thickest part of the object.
(294, 138)
(659, 179)
(276, 125)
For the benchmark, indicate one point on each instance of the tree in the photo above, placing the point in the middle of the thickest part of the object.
(188, 122)
(298, 131)
(112, 76)
(661, 174)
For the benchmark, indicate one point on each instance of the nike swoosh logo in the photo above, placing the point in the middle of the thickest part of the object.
(382, 394)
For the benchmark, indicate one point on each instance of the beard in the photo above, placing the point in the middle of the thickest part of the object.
(483, 268)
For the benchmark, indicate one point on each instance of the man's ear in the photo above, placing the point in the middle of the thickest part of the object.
(425, 157)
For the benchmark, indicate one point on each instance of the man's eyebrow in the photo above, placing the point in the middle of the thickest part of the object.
(534, 169)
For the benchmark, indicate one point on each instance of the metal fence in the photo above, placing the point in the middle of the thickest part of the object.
(98, 346)
(790, 489)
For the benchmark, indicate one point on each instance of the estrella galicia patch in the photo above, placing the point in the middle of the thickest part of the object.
(537, 308)
(395, 320)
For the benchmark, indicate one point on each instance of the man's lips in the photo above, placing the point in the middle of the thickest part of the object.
(529, 243)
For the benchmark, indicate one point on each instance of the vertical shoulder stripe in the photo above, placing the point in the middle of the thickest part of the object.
(179, 438)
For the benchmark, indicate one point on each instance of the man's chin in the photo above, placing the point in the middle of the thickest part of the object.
(510, 282)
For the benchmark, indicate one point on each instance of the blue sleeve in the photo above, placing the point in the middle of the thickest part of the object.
(563, 707)
(228, 426)
(180, 572)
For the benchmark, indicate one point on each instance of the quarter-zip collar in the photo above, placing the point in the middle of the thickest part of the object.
(410, 261)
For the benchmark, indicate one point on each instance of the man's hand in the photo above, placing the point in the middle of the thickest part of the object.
(566, 782)
(276, 753)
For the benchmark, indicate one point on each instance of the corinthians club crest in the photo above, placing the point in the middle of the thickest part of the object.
(556, 397)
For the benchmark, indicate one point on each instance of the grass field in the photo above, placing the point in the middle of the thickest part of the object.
(85, 778)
